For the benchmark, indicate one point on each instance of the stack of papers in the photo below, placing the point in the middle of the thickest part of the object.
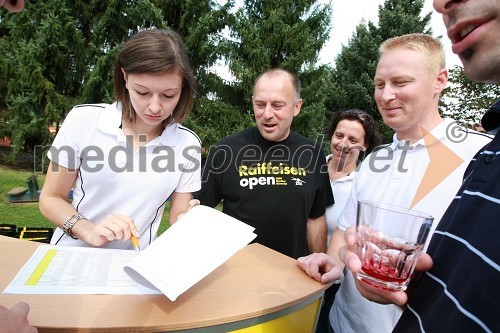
(199, 242)
(192, 248)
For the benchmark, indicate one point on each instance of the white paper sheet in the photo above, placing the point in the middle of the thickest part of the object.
(76, 270)
(198, 243)
(194, 246)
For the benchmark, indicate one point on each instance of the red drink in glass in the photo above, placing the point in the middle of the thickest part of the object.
(390, 240)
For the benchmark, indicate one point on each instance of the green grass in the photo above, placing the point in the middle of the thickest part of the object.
(28, 214)
(20, 214)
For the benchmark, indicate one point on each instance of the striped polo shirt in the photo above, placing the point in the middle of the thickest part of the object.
(461, 293)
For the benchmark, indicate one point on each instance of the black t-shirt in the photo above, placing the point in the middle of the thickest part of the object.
(272, 186)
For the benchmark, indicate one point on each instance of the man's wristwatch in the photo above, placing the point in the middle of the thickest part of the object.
(70, 222)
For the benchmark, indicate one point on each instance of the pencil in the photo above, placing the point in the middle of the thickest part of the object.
(135, 242)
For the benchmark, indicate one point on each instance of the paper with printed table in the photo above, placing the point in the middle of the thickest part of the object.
(198, 243)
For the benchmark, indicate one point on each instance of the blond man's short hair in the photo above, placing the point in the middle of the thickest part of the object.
(426, 44)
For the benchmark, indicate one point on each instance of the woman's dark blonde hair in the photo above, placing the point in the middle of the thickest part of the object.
(155, 51)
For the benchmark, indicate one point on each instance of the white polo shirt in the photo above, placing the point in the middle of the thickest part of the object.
(392, 175)
(112, 178)
(341, 189)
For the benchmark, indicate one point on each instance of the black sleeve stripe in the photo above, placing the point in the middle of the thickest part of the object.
(93, 105)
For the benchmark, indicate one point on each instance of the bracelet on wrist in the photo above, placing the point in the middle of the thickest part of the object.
(70, 222)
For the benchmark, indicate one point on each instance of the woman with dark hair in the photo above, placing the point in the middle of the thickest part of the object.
(127, 158)
(353, 135)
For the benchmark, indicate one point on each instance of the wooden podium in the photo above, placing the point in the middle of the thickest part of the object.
(257, 290)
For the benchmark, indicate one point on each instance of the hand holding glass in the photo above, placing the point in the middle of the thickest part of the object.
(390, 240)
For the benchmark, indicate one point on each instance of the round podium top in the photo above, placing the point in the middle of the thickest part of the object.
(255, 282)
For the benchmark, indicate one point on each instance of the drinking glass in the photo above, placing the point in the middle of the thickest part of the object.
(390, 240)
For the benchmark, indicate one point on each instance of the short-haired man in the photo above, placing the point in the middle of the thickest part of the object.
(459, 291)
(269, 176)
(409, 79)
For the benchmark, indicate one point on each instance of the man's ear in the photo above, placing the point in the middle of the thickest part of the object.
(297, 107)
(441, 80)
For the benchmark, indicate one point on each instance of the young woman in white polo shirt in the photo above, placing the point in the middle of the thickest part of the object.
(128, 158)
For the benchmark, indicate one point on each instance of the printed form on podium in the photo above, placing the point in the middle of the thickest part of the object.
(189, 250)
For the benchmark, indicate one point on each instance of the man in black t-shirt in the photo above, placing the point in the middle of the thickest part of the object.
(269, 176)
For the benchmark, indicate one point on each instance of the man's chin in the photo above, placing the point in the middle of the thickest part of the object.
(475, 72)
(270, 136)
(16, 7)
(267, 136)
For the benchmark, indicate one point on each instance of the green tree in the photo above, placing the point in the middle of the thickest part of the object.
(202, 24)
(269, 34)
(43, 67)
(466, 100)
(352, 76)
(60, 53)
(106, 25)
